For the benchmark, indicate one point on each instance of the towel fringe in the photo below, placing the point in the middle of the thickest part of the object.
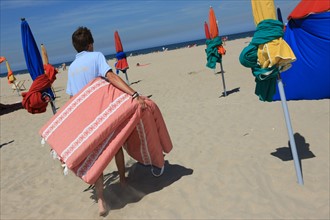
(65, 169)
(157, 175)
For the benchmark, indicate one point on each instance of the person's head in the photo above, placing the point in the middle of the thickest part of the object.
(82, 39)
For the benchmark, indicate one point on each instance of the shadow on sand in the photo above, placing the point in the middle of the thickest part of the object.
(303, 151)
(8, 108)
(140, 182)
(230, 92)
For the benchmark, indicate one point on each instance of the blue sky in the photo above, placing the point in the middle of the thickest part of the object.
(141, 24)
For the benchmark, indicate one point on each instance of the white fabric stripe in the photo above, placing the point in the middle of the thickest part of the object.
(73, 105)
(143, 144)
(90, 160)
(93, 126)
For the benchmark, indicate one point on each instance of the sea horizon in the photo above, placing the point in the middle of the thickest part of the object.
(142, 51)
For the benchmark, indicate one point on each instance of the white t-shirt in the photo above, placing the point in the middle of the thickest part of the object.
(86, 67)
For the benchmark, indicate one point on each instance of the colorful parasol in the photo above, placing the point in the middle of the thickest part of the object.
(33, 60)
(214, 49)
(121, 64)
(268, 55)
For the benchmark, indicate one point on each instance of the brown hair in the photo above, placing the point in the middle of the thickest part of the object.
(81, 38)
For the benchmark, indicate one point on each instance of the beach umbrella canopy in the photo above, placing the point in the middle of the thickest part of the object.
(206, 30)
(120, 54)
(307, 7)
(307, 33)
(267, 55)
(214, 31)
(121, 64)
(32, 55)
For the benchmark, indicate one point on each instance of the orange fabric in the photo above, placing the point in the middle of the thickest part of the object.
(221, 50)
(214, 32)
(118, 44)
(2, 59)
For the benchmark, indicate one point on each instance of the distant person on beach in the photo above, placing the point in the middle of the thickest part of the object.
(138, 64)
(87, 66)
(63, 66)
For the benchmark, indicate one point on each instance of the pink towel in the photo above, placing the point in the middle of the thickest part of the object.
(89, 129)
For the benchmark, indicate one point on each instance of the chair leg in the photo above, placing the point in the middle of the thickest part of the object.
(21, 85)
(17, 89)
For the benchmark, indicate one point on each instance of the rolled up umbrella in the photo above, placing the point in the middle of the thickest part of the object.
(214, 49)
(121, 64)
(267, 55)
(32, 57)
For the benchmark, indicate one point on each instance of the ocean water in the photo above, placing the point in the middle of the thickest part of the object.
(152, 49)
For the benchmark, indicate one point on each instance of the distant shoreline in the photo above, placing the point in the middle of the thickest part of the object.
(174, 46)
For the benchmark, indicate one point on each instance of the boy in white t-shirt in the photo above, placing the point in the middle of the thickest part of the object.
(87, 66)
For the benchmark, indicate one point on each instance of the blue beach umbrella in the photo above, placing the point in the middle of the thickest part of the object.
(32, 55)
(33, 59)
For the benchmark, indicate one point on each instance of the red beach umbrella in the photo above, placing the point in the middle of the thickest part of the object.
(121, 64)
(121, 56)
(214, 31)
(306, 7)
(214, 49)
(207, 32)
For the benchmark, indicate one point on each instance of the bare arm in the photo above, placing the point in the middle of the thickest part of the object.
(120, 84)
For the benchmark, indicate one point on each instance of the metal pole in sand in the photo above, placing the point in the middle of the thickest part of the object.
(290, 132)
(223, 80)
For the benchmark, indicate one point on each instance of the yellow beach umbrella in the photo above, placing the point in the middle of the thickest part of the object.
(10, 76)
(275, 55)
(276, 52)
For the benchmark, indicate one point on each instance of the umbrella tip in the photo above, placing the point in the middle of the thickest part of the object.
(22, 19)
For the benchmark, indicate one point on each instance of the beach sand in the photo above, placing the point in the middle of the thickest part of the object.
(230, 157)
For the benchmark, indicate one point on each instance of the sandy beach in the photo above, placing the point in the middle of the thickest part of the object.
(230, 159)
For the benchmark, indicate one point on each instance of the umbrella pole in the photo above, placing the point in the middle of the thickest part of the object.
(290, 132)
(126, 78)
(53, 106)
(223, 80)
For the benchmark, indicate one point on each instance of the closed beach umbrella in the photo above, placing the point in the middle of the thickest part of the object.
(121, 64)
(32, 57)
(214, 49)
(10, 75)
(268, 55)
